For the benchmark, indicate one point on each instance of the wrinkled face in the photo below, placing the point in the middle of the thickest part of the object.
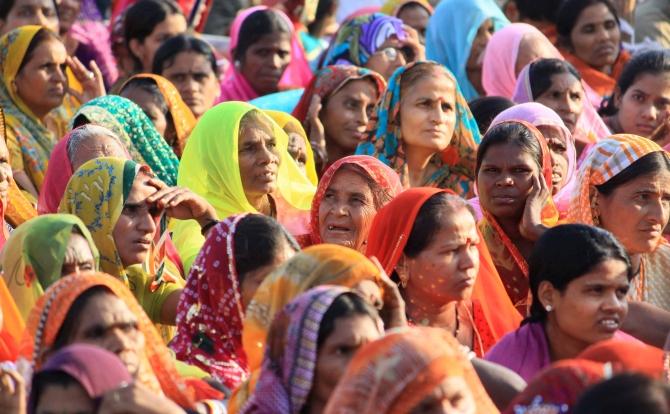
(346, 113)
(78, 256)
(69, 399)
(258, 158)
(446, 270)
(27, 12)
(645, 104)
(146, 101)
(6, 174)
(173, 25)
(596, 36)
(195, 80)
(473, 66)
(637, 212)
(558, 149)
(566, 97)
(42, 83)
(68, 11)
(265, 61)
(428, 113)
(452, 396)
(533, 46)
(593, 306)
(108, 323)
(416, 17)
(253, 279)
(96, 147)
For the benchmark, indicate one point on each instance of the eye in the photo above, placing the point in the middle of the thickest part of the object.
(96, 332)
(447, 107)
(638, 97)
(86, 266)
(622, 292)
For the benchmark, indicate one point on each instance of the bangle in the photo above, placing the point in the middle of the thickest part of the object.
(204, 229)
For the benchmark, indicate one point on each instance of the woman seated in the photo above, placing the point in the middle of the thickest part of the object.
(299, 147)
(589, 37)
(417, 370)
(335, 110)
(413, 13)
(349, 195)
(425, 130)
(237, 256)
(579, 278)
(640, 104)
(161, 102)
(461, 48)
(41, 251)
(189, 63)
(17, 13)
(299, 375)
(237, 159)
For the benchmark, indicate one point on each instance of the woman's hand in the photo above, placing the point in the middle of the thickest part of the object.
(90, 80)
(136, 398)
(12, 392)
(661, 134)
(181, 203)
(316, 132)
(393, 312)
(413, 42)
(531, 226)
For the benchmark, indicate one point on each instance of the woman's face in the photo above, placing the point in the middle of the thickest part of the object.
(593, 306)
(533, 46)
(297, 149)
(428, 113)
(637, 212)
(258, 159)
(134, 231)
(192, 74)
(107, 322)
(566, 97)
(446, 270)
(27, 12)
(473, 66)
(347, 210)
(97, 146)
(505, 179)
(645, 105)
(64, 399)
(416, 17)
(42, 83)
(145, 50)
(350, 333)
(265, 61)
(346, 113)
(596, 37)
(68, 12)
(6, 174)
(558, 149)
(451, 396)
(78, 256)
(146, 101)
(253, 279)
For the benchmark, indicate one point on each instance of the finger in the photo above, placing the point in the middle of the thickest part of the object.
(176, 199)
(156, 183)
(160, 197)
(78, 96)
(78, 69)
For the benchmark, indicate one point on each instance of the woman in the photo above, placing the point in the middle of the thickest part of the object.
(298, 143)
(557, 84)
(349, 195)
(265, 56)
(640, 104)
(410, 371)
(335, 110)
(514, 176)
(299, 375)
(461, 49)
(82, 144)
(17, 13)
(237, 256)
(134, 128)
(43, 250)
(425, 130)
(510, 50)
(579, 278)
(486, 108)
(161, 102)
(622, 186)
(589, 36)
(248, 170)
(413, 13)
(189, 63)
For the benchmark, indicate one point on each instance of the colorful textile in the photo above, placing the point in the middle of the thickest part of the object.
(393, 7)
(210, 168)
(288, 123)
(134, 128)
(602, 83)
(11, 326)
(452, 47)
(94, 43)
(33, 256)
(455, 165)
(394, 374)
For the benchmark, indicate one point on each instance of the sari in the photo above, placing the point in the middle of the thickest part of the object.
(395, 373)
(11, 325)
(134, 128)
(452, 47)
(602, 83)
(493, 313)
(393, 7)
(236, 87)
(209, 168)
(182, 117)
(590, 127)
(607, 159)
(34, 255)
(510, 263)
(455, 164)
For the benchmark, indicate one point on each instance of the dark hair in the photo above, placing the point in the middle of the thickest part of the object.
(543, 10)
(380, 195)
(541, 71)
(569, 13)
(141, 19)
(429, 218)
(344, 306)
(46, 379)
(40, 37)
(149, 86)
(565, 253)
(416, 73)
(257, 25)
(625, 393)
(651, 163)
(74, 316)
(175, 45)
(653, 62)
(486, 108)
(510, 132)
(324, 9)
(257, 240)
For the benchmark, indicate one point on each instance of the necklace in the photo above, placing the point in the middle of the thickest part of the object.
(458, 323)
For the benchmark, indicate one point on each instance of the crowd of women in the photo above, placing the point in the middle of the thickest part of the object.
(365, 206)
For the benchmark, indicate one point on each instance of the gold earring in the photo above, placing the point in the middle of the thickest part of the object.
(595, 214)
(403, 273)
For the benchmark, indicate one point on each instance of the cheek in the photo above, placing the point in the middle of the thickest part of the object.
(122, 230)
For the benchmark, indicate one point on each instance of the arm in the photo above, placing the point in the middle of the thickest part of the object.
(501, 384)
(647, 323)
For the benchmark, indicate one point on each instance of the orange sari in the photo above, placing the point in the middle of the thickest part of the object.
(602, 83)
(11, 325)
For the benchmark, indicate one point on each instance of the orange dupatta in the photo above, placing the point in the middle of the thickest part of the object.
(602, 83)
(11, 325)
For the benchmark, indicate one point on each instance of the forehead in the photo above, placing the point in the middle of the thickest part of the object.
(349, 180)
(34, 3)
(275, 40)
(653, 83)
(657, 181)
(189, 60)
(436, 82)
(507, 153)
(358, 88)
(594, 13)
(564, 81)
(140, 189)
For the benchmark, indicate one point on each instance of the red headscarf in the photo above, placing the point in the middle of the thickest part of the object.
(627, 356)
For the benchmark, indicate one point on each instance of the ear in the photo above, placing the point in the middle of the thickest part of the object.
(402, 269)
(546, 293)
(136, 48)
(511, 11)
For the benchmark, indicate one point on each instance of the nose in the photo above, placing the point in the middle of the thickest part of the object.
(276, 61)
(362, 117)
(190, 86)
(657, 212)
(603, 33)
(42, 20)
(340, 209)
(649, 112)
(146, 224)
(505, 180)
(266, 156)
(117, 341)
(613, 304)
(469, 258)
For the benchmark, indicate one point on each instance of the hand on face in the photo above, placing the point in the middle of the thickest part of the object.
(531, 226)
(180, 203)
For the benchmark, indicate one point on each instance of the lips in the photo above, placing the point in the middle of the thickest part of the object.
(504, 199)
(359, 135)
(334, 228)
(267, 176)
(144, 244)
(606, 49)
(609, 324)
(645, 129)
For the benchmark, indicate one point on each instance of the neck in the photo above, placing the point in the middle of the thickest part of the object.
(426, 312)
(335, 152)
(261, 204)
(417, 160)
(636, 262)
(511, 228)
(561, 345)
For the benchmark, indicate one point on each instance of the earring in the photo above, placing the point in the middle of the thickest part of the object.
(548, 308)
(237, 65)
(403, 273)
(595, 214)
